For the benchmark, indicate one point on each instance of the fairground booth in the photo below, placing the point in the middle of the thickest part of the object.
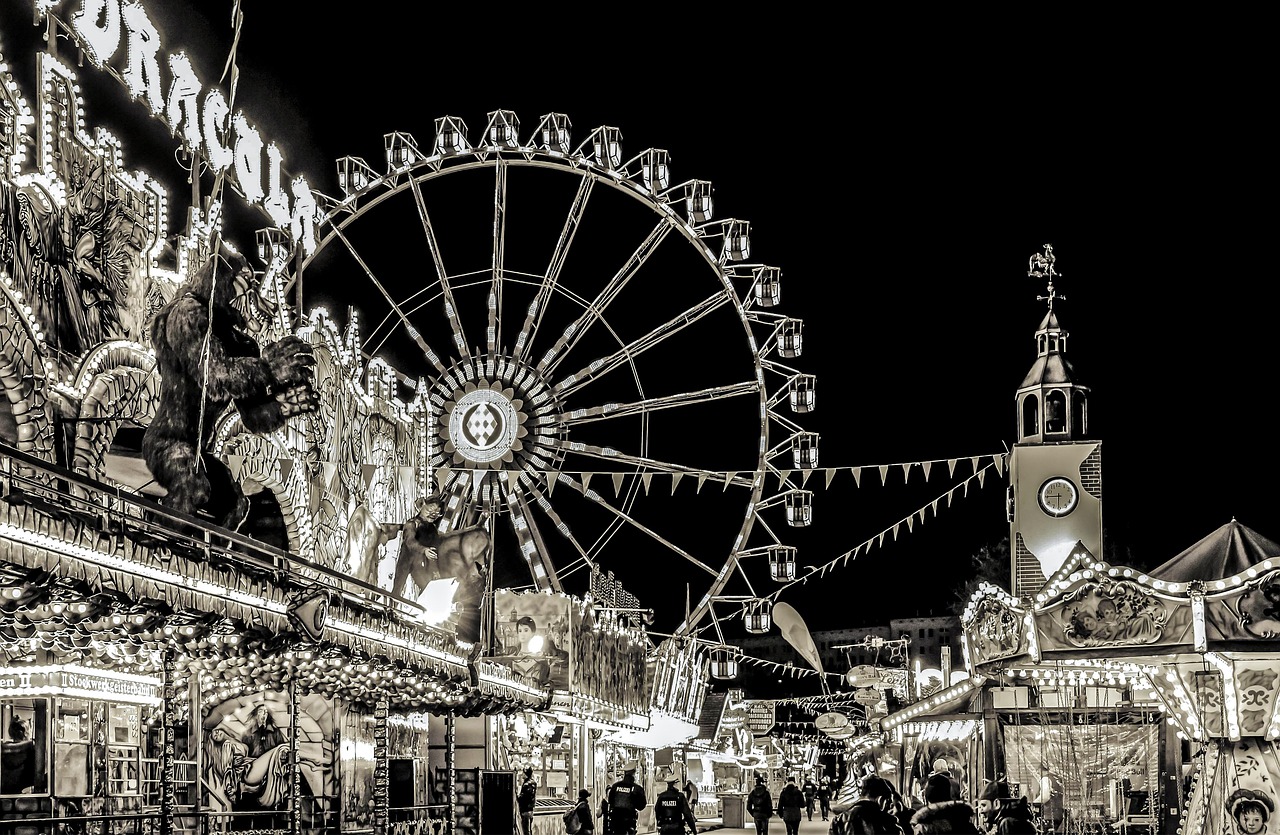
(1140, 701)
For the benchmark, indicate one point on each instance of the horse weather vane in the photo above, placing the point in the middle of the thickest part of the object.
(1040, 265)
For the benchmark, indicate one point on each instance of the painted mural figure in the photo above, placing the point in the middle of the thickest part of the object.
(1120, 612)
(1251, 810)
(207, 360)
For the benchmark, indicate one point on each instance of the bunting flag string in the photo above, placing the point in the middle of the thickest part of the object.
(329, 472)
(843, 559)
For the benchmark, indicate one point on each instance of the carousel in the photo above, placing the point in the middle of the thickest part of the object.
(1139, 701)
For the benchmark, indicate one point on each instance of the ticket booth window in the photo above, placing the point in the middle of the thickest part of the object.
(24, 766)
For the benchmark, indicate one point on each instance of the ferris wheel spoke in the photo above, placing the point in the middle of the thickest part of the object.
(599, 500)
(544, 504)
(614, 456)
(373, 279)
(600, 367)
(602, 301)
(533, 549)
(499, 247)
(450, 306)
(654, 404)
(539, 304)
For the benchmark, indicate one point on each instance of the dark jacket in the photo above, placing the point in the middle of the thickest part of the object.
(809, 790)
(671, 812)
(528, 794)
(760, 802)
(586, 821)
(865, 817)
(1013, 818)
(947, 816)
(625, 800)
(791, 803)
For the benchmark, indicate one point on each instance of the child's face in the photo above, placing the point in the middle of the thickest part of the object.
(1250, 821)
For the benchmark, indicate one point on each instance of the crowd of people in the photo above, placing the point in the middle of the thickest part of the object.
(881, 810)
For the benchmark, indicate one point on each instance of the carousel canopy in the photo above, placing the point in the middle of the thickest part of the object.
(1228, 551)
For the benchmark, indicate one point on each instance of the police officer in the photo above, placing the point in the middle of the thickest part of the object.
(671, 810)
(625, 800)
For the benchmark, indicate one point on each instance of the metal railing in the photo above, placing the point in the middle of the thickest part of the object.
(114, 511)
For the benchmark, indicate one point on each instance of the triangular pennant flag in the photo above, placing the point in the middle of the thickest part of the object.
(906, 473)
(675, 479)
(966, 487)
(935, 508)
(926, 466)
(367, 472)
(831, 473)
(857, 476)
(617, 484)
(921, 515)
(551, 483)
(998, 460)
(951, 466)
(442, 477)
(286, 469)
(783, 475)
(408, 479)
(702, 477)
(235, 463)
(974, 462)
(950, 493)
(910, 524)
(313, 499)
(982, 474)
(586, 481)
(895, 530)
(728, 479)
(804, 477)
(645, 478)
(881, 543)
(327, 471)
(884, 474)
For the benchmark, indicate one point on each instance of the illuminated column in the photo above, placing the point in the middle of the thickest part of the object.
(295, 788)
(450, 758)
(380, 766)
(168, 708)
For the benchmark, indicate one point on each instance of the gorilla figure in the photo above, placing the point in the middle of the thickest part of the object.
(207, 360)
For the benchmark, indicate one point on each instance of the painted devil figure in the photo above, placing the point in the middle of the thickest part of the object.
(207, 360)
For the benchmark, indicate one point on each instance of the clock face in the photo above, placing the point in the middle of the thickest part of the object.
(1058, 496)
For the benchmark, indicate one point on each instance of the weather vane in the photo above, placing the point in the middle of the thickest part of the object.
(1040, 265)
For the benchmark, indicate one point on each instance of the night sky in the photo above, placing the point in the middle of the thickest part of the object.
(901, 197)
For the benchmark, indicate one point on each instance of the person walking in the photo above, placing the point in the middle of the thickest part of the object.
(625, 801)
(810, 791)
(870, 814)
(671, 810)
(791, 806)
(1004, 813)
(525, 800)
(586, 820)
(824, 796)
(942, 767)
(942, 812)
(760, 806)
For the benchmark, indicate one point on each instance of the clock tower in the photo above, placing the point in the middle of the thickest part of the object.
(1055, 474)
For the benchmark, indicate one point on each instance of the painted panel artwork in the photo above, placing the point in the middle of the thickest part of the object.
(531, 630)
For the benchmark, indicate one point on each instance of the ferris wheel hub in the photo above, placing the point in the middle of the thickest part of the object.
(483, 425)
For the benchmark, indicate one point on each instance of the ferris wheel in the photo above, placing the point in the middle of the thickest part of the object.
(605, 374)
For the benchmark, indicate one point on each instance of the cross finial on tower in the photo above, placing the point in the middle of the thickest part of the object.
(1040, 265)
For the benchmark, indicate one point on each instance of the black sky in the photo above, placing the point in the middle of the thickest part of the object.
(901, 189)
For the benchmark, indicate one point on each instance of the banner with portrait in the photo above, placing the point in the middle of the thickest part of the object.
(532, 636)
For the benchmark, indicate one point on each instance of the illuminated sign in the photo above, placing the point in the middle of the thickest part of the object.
(118, 34)
(79, 682)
